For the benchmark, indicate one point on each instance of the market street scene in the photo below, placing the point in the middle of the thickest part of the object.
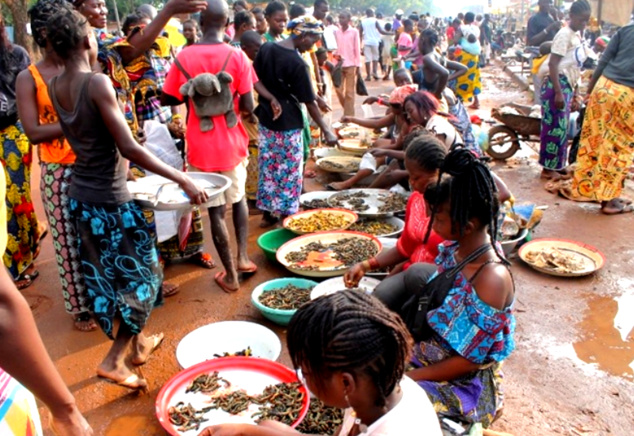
(327, 218)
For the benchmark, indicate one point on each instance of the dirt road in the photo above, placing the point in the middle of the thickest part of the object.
(572, 373)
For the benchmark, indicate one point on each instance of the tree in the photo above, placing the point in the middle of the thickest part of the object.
(19, 18)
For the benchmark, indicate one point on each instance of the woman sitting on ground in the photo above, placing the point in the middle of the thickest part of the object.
(458, 360)
(352, 352)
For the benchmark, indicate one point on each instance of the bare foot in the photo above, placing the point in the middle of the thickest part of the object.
(143, 346)
(246, 266)
(122, 376)
(228, 287)
(338, 186)
(616, 206)
(84, 322)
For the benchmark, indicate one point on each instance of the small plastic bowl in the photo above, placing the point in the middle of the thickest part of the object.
(281, 317)
(270, 241)
(509, 246)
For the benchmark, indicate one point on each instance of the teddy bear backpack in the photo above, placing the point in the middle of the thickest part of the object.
(211, 95)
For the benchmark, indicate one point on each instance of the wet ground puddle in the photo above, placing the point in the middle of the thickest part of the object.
(607, 332)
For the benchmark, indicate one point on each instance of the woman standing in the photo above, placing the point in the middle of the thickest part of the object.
(42, 127)
(16, 155)
(284, 73)
(560, 88)
(469, 85)
(605, 153)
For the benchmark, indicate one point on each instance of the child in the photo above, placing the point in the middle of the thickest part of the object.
(459, 365)
(386, 57)
(118, 254)
(190, 32)
(405, 42)
(352, 350)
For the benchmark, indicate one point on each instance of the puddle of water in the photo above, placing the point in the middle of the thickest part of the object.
(134, 425)
(608, 335)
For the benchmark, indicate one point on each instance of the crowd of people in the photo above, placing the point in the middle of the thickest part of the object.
(369, 355)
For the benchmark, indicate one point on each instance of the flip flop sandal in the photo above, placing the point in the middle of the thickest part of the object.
(251, 270)
(132, 382)
(219, 278)
(157, 341)
(203, 260)
(23, 282)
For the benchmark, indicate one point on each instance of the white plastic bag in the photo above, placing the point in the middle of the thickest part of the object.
(160, 143)
(368, 162)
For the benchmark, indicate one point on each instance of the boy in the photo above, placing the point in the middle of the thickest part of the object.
(348, 49)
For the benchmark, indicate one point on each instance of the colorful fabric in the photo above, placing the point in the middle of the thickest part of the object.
(304, 25)
(58, 150)
(280, 164)
(252, 172)
(222, 148)
(18, 409)
(23, 232)
(120, 263)
(462, 122)
(147, 89)
(398, 95)
(410, 243)
(468, 85)
(606, 148)
(172, 249)
(469, 326)
(54, 185)
(404, 40)
(476, 397)
(554, 126)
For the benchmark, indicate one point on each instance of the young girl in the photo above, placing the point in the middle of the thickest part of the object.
(352, 352)
(42, 127)
(276, 17)
(472, 331)
(118, 254)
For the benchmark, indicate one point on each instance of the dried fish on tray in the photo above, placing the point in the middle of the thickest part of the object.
(327, 254)
(289, 297)
(259, 389)
(322, 220)
(370, 202)
(561, 257)
(321, 419)
(339, 164)
(387, 227)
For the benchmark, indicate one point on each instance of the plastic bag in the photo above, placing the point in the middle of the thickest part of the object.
(159, 142)
(361, 88)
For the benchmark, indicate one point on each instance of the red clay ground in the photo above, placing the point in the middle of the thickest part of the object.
(549, 390)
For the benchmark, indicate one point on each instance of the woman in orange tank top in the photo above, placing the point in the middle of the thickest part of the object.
(42, 127)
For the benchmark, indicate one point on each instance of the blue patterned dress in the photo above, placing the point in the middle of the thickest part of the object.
(466, 326)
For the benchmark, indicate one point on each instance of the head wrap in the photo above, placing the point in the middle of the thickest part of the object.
(602, 41)
(399, 95)
(305, 24)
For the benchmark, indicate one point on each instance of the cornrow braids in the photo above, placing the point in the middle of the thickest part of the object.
(39, 14)
(425, 149)
(580, 7)
(65, 30)
(432, 35)
(350, 331)
(471, 192)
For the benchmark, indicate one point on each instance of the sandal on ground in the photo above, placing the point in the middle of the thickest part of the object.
(133, 382)
(157, 340)
(220, 280)
(203, 260)
(25, 280)
(84, 322)
(169, 289)
(618, 206)
(252, 269)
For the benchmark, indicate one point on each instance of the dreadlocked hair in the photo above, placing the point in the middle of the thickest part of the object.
(65, 30)
(350, 331)
(425, 149)
(471, 193)
(39, 14)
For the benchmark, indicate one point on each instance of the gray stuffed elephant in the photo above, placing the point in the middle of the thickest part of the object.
(211, 96)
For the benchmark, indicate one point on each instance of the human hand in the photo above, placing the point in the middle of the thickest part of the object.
(227, 430)
(346, 119)
(177, 128)
(323, 106)
(277, 108)
(140, 137)
(330, 138)
(196, 194)
(576, 103)
(354, 275)
(559, 100)
(70, 423)
(371, 100)
(379, 152)
(174, 7)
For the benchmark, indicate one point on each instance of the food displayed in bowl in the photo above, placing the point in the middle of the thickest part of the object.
(320, 221)
(354, 201)
(392, 202)
(559, 260)
(289, 297)
(342, 253)
(374, 227)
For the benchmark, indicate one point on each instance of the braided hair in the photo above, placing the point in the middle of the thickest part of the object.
(65, 30)
(580, 7)
(425, 149)
(471, 193)
(39, 14)
(352, 332)
(432, 35)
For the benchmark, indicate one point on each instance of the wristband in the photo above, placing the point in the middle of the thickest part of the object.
(374, 264)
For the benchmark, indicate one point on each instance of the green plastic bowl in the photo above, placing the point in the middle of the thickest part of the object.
(270, 241)
(281, 317)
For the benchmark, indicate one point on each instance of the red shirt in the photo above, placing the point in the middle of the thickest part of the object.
(410, 243)
(221, 148)
(451, 33)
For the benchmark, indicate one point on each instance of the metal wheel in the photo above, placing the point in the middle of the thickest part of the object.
(503, 142)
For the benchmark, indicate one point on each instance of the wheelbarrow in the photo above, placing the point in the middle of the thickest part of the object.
(504, 138)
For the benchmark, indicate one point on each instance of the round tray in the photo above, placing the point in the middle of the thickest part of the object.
(249, 373)
(397, 222)
(350, 164)
(336, 284)
(315, 195)
(201, 344)
(373, 200)
(351, 217)
(592, 257)
(326, 238)
(144, 190)
(353, 146)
